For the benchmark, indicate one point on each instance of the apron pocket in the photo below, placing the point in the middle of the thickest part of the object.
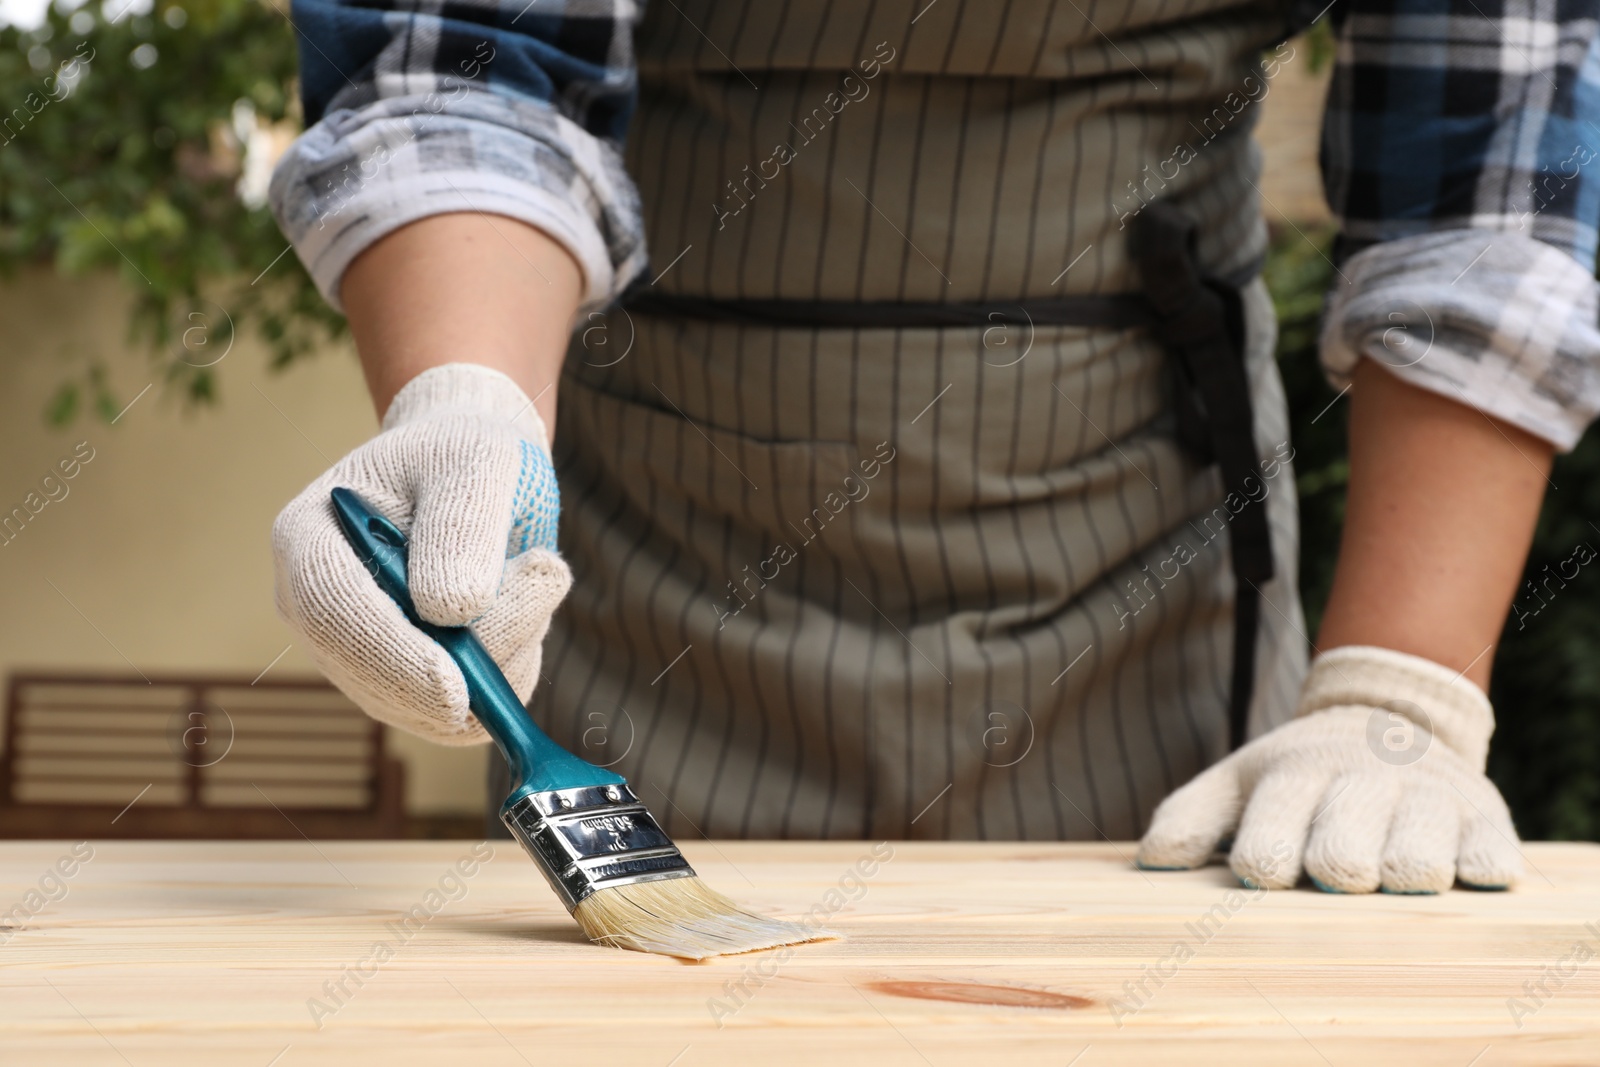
(662, 461)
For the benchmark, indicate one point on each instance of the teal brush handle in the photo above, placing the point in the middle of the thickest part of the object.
(537, 763)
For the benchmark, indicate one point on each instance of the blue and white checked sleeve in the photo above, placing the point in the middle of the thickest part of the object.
(423, 107)
(1461, 152)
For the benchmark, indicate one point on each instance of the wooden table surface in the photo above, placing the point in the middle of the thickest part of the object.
(234, 953)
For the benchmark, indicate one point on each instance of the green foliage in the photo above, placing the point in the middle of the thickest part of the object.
(1546, 682)
(1297, 274)
(1320, 41)
(120, 148)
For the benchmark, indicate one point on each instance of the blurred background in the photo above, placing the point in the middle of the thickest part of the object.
(169, 379)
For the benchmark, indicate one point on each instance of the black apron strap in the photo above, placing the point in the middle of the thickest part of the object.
(1200, 320)
(1110, 311)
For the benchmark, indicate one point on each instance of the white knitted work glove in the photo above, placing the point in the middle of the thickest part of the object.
(1377, 783)
(463, 466)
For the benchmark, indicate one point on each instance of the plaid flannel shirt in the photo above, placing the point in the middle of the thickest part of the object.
(1459, 151)
(423, 107)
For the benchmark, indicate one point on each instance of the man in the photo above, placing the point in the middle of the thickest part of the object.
(934, 479)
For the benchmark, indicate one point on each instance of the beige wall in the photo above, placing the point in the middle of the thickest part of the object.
(1289, 132)
(162, 539)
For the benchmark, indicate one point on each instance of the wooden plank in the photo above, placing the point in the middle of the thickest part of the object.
(77, 791)
(211, 953)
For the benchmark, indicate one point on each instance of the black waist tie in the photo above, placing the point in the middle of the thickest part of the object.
(1197, 317)
(1200, 320)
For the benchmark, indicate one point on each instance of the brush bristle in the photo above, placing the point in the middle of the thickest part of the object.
(683, 917)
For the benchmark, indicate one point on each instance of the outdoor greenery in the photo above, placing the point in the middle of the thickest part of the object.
(123, 138)
(122, 141)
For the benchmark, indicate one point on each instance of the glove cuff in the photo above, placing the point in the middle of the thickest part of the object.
(1453, 709)
(467, 388)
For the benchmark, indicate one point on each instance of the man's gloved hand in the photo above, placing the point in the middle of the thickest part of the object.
(463, 466)
(1377, 783)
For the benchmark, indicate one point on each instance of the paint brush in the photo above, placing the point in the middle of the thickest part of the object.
(601, 850)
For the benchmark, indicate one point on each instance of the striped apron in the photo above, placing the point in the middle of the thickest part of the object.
(944, 567)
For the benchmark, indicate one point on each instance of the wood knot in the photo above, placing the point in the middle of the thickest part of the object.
(1004, 996)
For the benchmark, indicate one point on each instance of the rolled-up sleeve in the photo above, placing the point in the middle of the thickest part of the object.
(474, 106)
(1461, 153)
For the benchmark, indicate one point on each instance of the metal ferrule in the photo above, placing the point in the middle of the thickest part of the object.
(594, 837)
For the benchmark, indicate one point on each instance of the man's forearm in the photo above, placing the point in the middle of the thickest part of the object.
(463, 288)
(1439, 516)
